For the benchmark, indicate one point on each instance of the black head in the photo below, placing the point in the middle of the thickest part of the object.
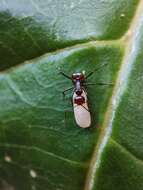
(78, 76)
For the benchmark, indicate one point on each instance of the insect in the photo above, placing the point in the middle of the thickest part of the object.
(79, 97)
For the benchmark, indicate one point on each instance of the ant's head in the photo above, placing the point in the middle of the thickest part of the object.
(78, 76)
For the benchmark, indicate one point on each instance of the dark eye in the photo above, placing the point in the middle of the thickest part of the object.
(74, 76)
(77, 76)
(81, 77)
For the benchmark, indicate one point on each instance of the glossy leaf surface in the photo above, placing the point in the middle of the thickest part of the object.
(41, 146)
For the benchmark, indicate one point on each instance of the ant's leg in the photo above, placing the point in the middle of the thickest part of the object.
(85, 108)
(99, 83)
(92, 72)
(64, 92)
(65, 75)
(82, 106)
(66, 111)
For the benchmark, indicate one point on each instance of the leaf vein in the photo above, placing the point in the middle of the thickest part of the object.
(124, 149)
(35, 148)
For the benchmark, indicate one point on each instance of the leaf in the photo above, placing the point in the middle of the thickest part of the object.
(41, 146)
(31, 28)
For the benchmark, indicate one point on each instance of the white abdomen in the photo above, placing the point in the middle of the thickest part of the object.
(81, 112)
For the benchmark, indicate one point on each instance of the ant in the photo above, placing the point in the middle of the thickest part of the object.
(79, 97)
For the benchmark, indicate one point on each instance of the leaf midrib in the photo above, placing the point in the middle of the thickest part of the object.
(128, 40)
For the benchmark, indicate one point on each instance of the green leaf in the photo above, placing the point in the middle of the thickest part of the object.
(40, 145)
(29, 29)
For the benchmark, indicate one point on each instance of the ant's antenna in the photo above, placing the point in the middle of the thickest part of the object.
(91, 73)
(61, 72)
